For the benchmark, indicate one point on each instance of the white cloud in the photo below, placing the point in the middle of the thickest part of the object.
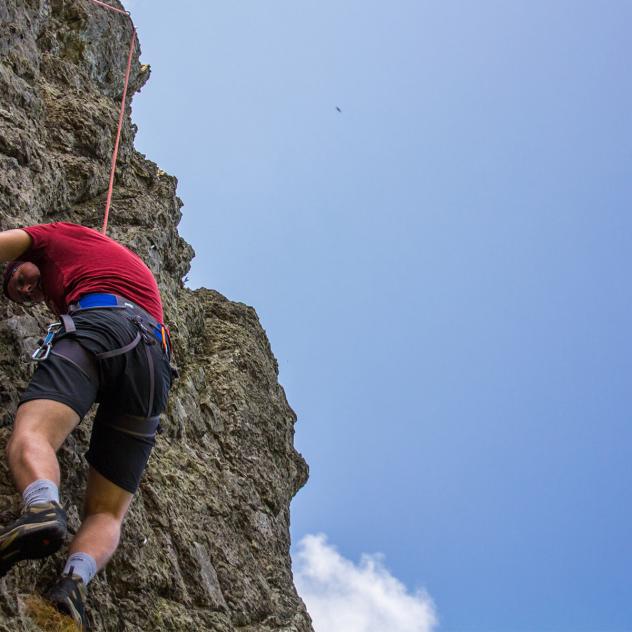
(344, 597)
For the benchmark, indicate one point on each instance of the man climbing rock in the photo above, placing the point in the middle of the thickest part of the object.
(110, 347)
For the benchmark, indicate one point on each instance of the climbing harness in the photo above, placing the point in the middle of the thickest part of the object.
(150, 331)
(149, 327)
(132, 47)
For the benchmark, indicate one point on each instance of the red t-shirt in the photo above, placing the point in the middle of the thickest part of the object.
(75, 260)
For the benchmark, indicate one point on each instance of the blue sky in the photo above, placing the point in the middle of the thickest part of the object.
(442, 270)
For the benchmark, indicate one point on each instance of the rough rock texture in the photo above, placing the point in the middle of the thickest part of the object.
(188, 561)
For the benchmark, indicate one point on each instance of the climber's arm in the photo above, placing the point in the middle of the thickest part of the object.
(13, 243)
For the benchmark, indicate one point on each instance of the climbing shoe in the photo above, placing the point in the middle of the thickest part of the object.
(68, 596)
(37, 533)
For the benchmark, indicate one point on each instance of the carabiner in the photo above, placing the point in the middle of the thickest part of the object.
(43, 350)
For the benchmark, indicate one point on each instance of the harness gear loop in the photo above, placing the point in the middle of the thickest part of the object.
(69, 323)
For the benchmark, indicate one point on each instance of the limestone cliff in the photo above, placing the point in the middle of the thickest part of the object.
(188, 561)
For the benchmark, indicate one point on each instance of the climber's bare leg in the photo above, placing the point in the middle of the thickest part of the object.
(105, 508)
(40, 428)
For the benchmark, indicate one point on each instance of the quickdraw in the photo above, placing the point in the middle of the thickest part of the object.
(46, 344)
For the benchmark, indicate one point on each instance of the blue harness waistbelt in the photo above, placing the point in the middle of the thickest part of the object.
(149, 327)
(112, 301)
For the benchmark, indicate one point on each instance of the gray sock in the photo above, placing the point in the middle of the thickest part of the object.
(40, 492)
(81, 564)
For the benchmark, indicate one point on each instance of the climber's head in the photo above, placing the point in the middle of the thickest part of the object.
(23, 282)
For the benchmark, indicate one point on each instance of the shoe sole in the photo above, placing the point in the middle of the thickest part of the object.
(67, 597)
(30, 542)
(66, 607)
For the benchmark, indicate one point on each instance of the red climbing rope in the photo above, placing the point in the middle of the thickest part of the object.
(118, 133)
(132, 46)
(109, 6)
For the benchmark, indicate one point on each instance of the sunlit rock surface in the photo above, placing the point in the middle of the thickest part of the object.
(206, 544)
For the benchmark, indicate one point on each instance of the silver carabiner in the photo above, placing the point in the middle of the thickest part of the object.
(43, 350)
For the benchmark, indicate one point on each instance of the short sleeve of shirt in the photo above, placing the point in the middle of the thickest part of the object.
(40, 236)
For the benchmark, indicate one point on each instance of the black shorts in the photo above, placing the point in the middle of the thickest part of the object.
(122, 385)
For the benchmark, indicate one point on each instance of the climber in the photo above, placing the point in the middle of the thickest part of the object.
(110, 347)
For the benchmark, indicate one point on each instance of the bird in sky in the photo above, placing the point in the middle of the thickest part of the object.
(339, 110)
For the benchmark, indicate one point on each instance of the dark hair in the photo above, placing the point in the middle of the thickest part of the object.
(11, 267)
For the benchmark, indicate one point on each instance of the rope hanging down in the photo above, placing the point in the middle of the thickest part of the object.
(132, 47)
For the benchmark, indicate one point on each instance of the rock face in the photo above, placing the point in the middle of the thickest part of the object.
(206, 543)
